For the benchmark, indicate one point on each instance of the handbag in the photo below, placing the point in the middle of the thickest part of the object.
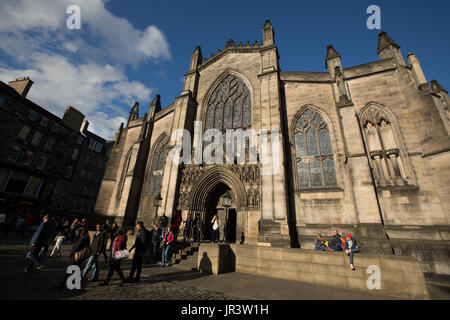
(121, 254)
(81, 255)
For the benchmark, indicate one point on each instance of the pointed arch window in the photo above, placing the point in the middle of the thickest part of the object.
(157, 168)
(229, 106)
(313, 152)
(382, 146)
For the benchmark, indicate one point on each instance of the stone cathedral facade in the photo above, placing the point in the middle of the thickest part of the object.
(365, 149)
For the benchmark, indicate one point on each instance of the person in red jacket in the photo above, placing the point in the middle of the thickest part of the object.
(167, 240)
(120, 243)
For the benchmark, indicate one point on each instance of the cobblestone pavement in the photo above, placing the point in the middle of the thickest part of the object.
(173, 283)
(156, 284)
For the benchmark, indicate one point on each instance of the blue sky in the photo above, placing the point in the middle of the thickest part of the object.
(133, 50)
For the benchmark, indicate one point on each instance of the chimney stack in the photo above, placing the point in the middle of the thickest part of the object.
(21, 85)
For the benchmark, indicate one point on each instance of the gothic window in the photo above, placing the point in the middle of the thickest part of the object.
(313, 152)
(382, 147)
(157, 168)
(229, 106)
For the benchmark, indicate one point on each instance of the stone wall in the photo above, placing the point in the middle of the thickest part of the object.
(400, 276)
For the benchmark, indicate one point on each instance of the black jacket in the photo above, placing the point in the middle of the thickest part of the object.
(156, 235)
(141, 243)
(81, 243)
(335, 243)
(97, 243)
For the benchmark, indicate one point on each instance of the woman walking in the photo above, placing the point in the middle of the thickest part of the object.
(120, 243)
(167, 240)
(80, 252)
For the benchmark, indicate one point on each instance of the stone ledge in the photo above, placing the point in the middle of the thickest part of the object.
(400, 276)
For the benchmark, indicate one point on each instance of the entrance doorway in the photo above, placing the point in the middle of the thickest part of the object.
(214, 207)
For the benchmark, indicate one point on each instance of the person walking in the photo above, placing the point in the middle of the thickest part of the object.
(95, 250)
(80, 252)
(119, 244)
(107, 233)
(59, 242)
(350, 248)
(140, 248)
(167, 241)
(215, 228)
(198, 225)
(39, 242)
(155, 236)
(112, 235)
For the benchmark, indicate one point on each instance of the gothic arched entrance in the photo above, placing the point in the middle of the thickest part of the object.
(205, 199)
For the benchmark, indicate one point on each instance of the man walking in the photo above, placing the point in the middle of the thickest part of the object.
(155, 236)
(38, 242)
(95, 250)
(140, 246)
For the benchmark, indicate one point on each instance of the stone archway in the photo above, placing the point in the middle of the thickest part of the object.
(207, 190)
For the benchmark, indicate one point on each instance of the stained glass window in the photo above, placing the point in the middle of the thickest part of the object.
(313, 152)
(229, 106)
(157, 167)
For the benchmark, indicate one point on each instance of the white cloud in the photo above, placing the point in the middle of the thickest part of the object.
(89, 87)
(82, 68)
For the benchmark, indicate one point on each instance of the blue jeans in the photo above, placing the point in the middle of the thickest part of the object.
(351, 254)
(92, 263)
(321, 248)
(165, 256)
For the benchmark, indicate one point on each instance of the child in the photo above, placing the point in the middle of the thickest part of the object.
(319, 244)
(59, 241)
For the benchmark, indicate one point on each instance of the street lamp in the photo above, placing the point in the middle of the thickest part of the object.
(226, 202)
(157, 201)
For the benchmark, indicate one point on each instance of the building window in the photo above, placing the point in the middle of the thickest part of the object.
(313, 152)
(32, 116)
(383, 149)
(157, 169)
(229, 106)
(69, 171)
(92, 144)
(80, 140)
(2, 100)
(99, 147)
(13, 153)
(49, 144)
(42, 162)
(37, 138)
(60, 205)
(24, 133)
(73, 205)
(44, 122)
(48, 188)
(16, 183)
(28, 158)
(56, 128)
(75, 154)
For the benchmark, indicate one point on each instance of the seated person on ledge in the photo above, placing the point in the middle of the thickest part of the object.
(350, 248)
(319, 244)
(335, 243)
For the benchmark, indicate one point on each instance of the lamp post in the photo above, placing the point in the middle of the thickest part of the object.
(157, 203)
(226, 202)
